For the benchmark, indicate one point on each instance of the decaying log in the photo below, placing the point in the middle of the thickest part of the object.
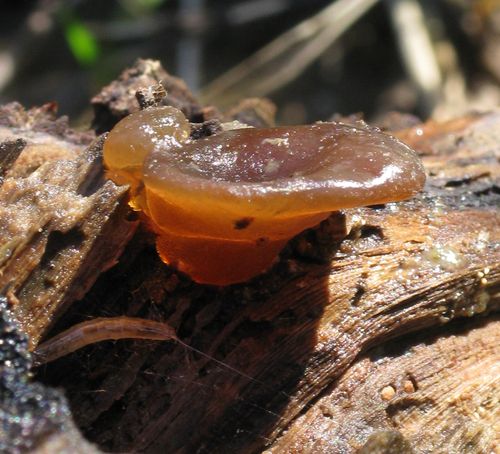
(56, 215)
(292, 340)
(118, 99)
(440, 392)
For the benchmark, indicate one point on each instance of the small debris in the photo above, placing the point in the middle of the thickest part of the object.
(388, 392)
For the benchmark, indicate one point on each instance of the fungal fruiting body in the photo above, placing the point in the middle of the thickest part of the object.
(133, 138)
(224, 206)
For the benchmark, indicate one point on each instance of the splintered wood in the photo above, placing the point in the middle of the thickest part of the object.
(54, 208)
(441, 394)
(378, 328)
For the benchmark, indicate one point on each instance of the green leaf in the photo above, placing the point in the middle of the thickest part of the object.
(82, 42)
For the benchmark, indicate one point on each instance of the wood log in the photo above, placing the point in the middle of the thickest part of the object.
(61, 223)
(440, 391)
(293, 363)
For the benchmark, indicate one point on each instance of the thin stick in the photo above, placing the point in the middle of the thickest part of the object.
(114, 328)
(98, 330)
(299, 47)
(416, 48)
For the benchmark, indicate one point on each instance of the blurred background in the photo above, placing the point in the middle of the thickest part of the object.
(313, 58)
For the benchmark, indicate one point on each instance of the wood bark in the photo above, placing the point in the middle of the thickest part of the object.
(370, 325)
(58, 216)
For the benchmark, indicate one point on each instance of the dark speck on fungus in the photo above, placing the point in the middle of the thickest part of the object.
(211, 200)
(242, 223)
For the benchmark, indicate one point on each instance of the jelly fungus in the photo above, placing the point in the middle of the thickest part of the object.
(224, 206)
(133, 138)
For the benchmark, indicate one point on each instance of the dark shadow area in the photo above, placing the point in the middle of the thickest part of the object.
(59, 242)
(164, 396)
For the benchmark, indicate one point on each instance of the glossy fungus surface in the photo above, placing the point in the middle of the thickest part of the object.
(133, 138)
(224, 206)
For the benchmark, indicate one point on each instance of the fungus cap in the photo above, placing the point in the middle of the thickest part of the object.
(133, 138)
(224, 206)
(278, 174)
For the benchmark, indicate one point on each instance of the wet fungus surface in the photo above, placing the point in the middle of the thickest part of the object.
(224, 206)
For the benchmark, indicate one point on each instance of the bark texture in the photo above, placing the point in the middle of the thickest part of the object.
(61, 223)
(368, 327)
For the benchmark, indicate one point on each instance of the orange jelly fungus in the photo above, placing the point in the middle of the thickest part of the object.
(224, 206)
(133, 138)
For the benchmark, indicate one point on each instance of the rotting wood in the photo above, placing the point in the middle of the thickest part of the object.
(441, 392)
(400, 268)
(61, 223)
(360, 279)
(117, 100)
